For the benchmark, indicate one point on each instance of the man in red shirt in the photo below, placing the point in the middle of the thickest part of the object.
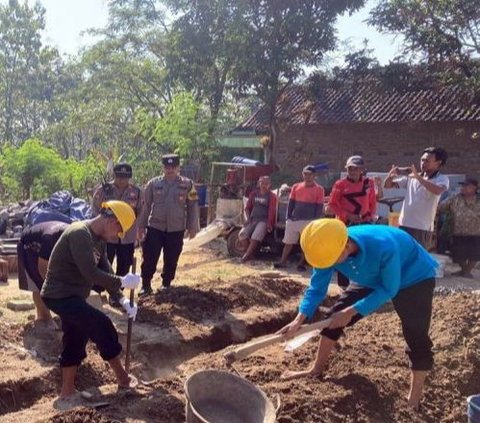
(353, 199)
(260, 209)
(304, 205)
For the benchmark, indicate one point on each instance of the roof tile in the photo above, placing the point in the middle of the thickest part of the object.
(365, 104)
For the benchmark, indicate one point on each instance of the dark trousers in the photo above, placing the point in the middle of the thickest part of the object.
(172, 244)
(414, 307)
(342, 280)
(28, 265)
(81, 322)
(124, 253)
(419, 235)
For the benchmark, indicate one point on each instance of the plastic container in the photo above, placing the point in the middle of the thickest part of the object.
(393, 218)
(442, 262)
(202, 194)
(473, 408)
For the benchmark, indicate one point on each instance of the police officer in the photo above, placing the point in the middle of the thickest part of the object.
(171, 206)
(120, 189)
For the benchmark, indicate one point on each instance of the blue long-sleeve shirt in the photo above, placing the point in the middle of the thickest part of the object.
(388, 260)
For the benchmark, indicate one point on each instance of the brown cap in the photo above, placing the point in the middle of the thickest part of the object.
(470, 180)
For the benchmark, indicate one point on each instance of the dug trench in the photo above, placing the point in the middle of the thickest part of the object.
(171, 327)
(186, 329)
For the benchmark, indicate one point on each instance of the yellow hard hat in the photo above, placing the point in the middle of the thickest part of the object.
(123, 212)
(323, 242)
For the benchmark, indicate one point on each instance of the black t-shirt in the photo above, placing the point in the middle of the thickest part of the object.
(40, 238)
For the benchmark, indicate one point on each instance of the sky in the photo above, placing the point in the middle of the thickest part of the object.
(66, 19)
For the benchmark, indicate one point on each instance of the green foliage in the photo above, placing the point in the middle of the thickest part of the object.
(34, 171)
(28, 72)
(256, 46)
(183, 129)
(445, 34)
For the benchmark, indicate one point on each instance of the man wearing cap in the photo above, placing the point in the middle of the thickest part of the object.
(123, 190)
(171, 206)
(424, 188)
(353, 199)
(464, 211)
(386, 264)
(75, 266)
(304, 204)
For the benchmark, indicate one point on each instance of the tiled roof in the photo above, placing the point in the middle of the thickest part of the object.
(365, 103)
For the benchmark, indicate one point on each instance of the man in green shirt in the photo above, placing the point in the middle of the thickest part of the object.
(72, 271)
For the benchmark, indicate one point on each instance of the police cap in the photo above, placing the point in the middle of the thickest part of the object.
(123, 170)
(171, 160)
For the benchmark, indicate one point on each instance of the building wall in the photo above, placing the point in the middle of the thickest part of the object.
(381, 145)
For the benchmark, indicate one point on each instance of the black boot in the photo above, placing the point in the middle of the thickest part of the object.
(146, 288)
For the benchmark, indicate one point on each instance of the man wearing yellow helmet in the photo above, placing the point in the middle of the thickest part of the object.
(386, 264)
(72, 271)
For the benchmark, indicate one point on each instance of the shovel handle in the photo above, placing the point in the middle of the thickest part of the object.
(130, 321)
(249, 348)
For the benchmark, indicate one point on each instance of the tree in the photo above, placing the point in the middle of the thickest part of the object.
(202, 49)
(22, 169)
(279, 39)
(28, 71)
(253, 46)
(35, 171)
(443, 33)
(183, 130)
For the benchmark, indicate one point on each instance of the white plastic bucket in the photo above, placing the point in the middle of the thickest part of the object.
(442, 262)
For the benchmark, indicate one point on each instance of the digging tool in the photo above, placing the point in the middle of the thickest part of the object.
(245, 350)
(130, 320)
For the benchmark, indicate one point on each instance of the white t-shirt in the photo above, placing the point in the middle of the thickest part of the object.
(420, 205)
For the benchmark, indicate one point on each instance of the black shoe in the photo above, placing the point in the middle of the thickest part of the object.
(279, 265)
(301, 268)
(146, 289)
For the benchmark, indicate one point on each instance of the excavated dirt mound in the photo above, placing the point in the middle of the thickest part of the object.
(212, 301)
(367, 379)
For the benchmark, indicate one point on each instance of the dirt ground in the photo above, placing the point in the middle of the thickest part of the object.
(217, 303)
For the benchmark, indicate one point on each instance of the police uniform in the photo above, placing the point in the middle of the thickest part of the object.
(123, 248)
(170, 208)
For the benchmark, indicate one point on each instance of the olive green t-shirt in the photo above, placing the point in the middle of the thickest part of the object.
(74, 265)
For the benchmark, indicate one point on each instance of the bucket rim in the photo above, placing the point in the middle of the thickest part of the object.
(240, 379)
(474, 404)
(224, 372)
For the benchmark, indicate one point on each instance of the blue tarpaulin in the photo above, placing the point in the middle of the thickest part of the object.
(61, 206)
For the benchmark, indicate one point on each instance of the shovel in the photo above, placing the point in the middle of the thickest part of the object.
(245, 350)
(130, 321)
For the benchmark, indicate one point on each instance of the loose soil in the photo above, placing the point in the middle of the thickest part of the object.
(216, 303)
